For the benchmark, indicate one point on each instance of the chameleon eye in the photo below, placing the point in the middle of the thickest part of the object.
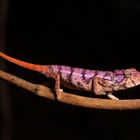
(127, 73)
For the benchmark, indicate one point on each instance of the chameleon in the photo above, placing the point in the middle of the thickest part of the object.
(97, 81)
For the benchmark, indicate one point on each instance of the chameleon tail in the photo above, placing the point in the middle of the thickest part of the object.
(30, 66)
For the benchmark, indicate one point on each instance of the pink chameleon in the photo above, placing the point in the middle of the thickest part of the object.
(99, 82)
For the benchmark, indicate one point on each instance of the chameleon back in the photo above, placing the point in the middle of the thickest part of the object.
(76, 78)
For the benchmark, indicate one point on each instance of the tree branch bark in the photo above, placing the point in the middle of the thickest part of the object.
(72, 99)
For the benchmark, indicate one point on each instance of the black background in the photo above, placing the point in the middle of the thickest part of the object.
(100, 35)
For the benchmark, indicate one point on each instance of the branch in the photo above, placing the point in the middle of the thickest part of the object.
(72, 99)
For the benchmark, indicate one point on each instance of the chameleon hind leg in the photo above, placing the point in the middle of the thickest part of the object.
(101, 87)
(58, 90)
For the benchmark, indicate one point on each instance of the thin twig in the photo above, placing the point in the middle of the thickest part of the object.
(72, 99)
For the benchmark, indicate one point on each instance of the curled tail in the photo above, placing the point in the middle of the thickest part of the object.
(30, 66)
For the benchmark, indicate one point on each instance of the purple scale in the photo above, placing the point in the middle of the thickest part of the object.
(65, 70)
(89, 74)
(119, 71)
(119, 78)
(109, 76)
(55, 68)
(77, 72)
(101, 74)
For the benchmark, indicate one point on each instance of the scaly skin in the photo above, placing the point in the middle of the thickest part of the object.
(99, 82)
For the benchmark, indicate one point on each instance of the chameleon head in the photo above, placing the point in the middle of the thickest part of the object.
(133, 77)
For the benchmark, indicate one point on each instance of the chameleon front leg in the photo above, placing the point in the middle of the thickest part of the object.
(112, 96)
(101, 87)
(98, 88)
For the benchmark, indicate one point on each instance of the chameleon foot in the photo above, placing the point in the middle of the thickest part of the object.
(58, 93)
(61, 90)
(112, 97)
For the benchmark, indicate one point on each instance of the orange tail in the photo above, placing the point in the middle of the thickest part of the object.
(34, 67)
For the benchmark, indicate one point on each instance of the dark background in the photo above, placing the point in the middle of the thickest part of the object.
(100, 35)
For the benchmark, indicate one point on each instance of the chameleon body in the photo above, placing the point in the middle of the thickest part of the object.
(99, 82)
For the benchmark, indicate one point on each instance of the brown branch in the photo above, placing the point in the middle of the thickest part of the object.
(71, 99)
